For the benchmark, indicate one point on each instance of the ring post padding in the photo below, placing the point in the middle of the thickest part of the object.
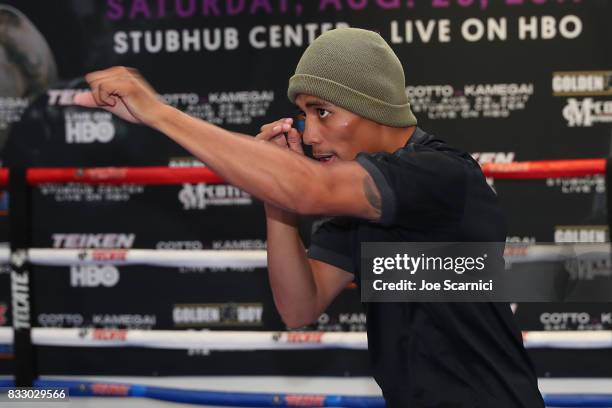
(21, 278)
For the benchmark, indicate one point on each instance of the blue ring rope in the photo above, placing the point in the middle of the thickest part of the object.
(243, 399)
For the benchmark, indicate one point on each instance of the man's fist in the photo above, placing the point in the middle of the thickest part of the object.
(275, 132)
(123, 92)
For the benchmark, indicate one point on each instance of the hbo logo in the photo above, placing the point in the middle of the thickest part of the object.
(93, 275)
(88, 131)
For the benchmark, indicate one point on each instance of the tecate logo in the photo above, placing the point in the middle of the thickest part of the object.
(20, 293)
(110, 389)
(304, 337)
(200, 196)
(91, 276)
(109, 335)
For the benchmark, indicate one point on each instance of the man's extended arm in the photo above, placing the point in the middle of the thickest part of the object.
(272, 174)
(281, 178)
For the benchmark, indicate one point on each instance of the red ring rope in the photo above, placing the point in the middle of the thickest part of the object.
(177, 175)
(545, 169)
(117, 175)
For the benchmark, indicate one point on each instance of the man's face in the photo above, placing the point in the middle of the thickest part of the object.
(333, 132)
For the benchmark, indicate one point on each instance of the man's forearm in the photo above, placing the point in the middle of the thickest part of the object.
(291, 278)
(268, 172)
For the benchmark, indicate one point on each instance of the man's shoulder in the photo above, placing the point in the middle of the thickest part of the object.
(423, 142)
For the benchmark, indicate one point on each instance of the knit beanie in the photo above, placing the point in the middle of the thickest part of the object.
(358, 71)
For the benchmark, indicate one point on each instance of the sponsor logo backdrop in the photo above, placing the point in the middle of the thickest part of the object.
(506, 80)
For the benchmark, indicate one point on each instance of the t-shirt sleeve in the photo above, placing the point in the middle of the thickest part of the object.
(418, 188)
(331, 244)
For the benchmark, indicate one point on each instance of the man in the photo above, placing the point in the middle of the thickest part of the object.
(391, 182)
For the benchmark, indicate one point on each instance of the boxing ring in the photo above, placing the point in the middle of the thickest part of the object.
(22, 337)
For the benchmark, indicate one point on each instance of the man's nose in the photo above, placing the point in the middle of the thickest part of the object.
(310, 136)
(309, 139)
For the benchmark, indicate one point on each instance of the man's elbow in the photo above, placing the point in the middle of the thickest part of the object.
(305, 207)
(311, 201)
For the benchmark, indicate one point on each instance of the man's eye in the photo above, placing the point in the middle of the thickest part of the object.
(323, 113)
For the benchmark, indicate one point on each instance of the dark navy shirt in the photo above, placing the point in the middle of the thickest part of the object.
(442, 355)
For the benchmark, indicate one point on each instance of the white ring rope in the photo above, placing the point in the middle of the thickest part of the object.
(188, 339)
(152, 257)
(593, 339)
(260, 340)
(525, 253)
(242, 259)
(254, 340)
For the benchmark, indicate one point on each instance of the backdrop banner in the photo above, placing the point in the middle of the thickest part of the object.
(506, 80)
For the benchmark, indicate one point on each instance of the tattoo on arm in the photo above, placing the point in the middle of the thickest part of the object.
(372, 194)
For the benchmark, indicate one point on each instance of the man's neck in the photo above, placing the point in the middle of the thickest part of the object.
(396, 138)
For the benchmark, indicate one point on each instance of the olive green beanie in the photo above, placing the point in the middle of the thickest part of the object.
(358, 71)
